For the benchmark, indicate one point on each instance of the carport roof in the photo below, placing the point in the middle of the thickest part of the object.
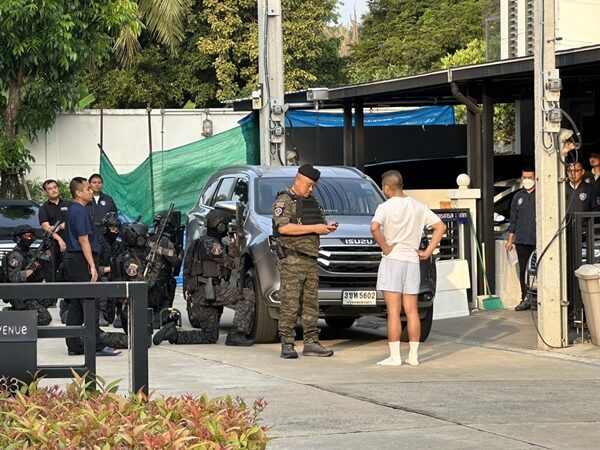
(505, 80)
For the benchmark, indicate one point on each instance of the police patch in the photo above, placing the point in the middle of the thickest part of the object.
(278, 211)
(520, 202)
(582, 196)
(14, 262)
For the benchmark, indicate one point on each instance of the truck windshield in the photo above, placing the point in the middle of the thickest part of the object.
(338, 196)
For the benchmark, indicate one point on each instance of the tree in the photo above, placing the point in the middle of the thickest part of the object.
(405, 37)
(310, 56)
(45, 45)
(156, 76)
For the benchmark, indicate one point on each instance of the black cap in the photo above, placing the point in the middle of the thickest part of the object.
(309, 172)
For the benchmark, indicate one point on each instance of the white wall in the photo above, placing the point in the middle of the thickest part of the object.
(70, 148)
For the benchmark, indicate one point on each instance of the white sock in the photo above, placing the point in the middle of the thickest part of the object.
(394, 359)
(413, 353)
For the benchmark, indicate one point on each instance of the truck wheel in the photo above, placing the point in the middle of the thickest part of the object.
(264, 328)
(339, 322)
(425, 326)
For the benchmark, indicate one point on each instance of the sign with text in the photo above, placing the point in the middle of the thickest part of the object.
(18, 346)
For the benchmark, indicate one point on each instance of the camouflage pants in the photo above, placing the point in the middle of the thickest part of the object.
(196, 337)
(117, 340)
(299, 291)
(43, 316)
(225, 296)
(108, 307)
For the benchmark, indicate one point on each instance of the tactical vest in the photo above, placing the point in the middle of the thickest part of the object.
(307, 212)
(211, 253)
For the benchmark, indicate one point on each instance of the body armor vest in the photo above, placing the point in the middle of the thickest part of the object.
(307, 212)
(211, 254)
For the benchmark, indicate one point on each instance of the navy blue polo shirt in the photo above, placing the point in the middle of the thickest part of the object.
(79, 223)
(522, 217)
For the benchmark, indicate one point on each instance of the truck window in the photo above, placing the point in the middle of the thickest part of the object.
(225, 189)
(338, 196)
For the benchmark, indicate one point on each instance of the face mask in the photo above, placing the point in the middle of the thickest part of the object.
(528, 183)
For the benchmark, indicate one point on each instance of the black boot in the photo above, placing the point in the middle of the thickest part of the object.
(167, 332)
(288, 352)
(523, 306)
(533, 304)
(316, 349)
(236, 338)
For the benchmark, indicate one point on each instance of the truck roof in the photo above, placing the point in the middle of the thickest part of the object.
(287, 171)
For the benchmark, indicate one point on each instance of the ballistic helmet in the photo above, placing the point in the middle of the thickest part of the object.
(171, 223)
(21, 230)
(111, 219)
(217, 221)
(135, 234)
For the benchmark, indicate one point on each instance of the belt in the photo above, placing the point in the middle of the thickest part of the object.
(288, 252)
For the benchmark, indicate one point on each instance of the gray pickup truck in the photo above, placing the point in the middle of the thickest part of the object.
(348, 258)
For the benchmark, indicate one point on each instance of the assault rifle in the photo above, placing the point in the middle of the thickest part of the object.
(37, 254)
(159, 233)
(237, 231)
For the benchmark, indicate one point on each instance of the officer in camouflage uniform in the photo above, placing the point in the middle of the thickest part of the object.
(161, 283)
(207, 269)
(170, 232)
(298, 220)
(20, 269)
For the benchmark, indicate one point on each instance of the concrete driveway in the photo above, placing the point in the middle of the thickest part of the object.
(481, 384)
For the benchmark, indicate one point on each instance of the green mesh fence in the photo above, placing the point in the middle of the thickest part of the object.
(178, 175)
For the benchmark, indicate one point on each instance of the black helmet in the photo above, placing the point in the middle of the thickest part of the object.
(135, 234)
(217, 221)
(171, 224)
(111, 219)
(21, 230)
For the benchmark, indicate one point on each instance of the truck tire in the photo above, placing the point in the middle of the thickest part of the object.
(265, 329)
(339, 322)
(425, 326)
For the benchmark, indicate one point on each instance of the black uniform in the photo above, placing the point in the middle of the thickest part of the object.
(15, 265)
(208, 265)
(55, 212)
(98, 209)
(582, 198)
(522, 225)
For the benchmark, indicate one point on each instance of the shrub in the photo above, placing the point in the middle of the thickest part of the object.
(49, 417)
(39, 196)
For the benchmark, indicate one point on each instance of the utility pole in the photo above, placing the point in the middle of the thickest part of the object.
(551, 291)
(269, 97)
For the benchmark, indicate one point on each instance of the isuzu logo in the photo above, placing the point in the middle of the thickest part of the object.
(359, 241)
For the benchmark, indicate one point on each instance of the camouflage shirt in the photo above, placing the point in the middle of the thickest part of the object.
(284, 209)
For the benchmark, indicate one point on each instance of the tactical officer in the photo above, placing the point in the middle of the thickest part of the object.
(298, 220)
(161, 283)
(206, 274)
(111, 247)
(21, 269)
(170, 232)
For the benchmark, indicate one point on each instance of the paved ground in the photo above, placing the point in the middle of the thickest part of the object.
(481, 384)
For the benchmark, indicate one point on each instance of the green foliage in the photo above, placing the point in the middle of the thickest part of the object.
(404, 37)
(38, 417)
(45, 45)
(14, 157)
(232, 43)
(39, 196)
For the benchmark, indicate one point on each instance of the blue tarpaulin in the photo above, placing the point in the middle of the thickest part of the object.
(427, 115)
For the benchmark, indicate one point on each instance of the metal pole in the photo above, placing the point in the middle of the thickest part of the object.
(270, 76)
(149, 111)
(552, 327)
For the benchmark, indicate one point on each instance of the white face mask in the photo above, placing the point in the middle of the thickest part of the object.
(528, 183)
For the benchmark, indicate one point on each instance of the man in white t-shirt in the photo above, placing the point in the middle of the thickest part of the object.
(403, 220)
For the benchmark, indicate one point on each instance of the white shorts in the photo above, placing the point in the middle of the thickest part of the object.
(399, 276)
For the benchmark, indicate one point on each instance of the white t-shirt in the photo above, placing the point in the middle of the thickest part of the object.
(403, 220)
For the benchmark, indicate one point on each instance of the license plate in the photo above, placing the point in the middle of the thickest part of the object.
(359, 298)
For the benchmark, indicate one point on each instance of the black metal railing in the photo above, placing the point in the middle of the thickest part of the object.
(136, 292)
(456, 243)
(583, 247)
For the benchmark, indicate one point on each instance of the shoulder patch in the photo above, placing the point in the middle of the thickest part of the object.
(278, 211)
(14, 262)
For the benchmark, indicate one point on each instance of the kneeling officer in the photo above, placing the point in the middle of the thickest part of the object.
(208, 264)
(20, 268)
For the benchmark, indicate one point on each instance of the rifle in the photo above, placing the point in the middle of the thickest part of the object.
(240, 244)
(43, 247)
(159, 232)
